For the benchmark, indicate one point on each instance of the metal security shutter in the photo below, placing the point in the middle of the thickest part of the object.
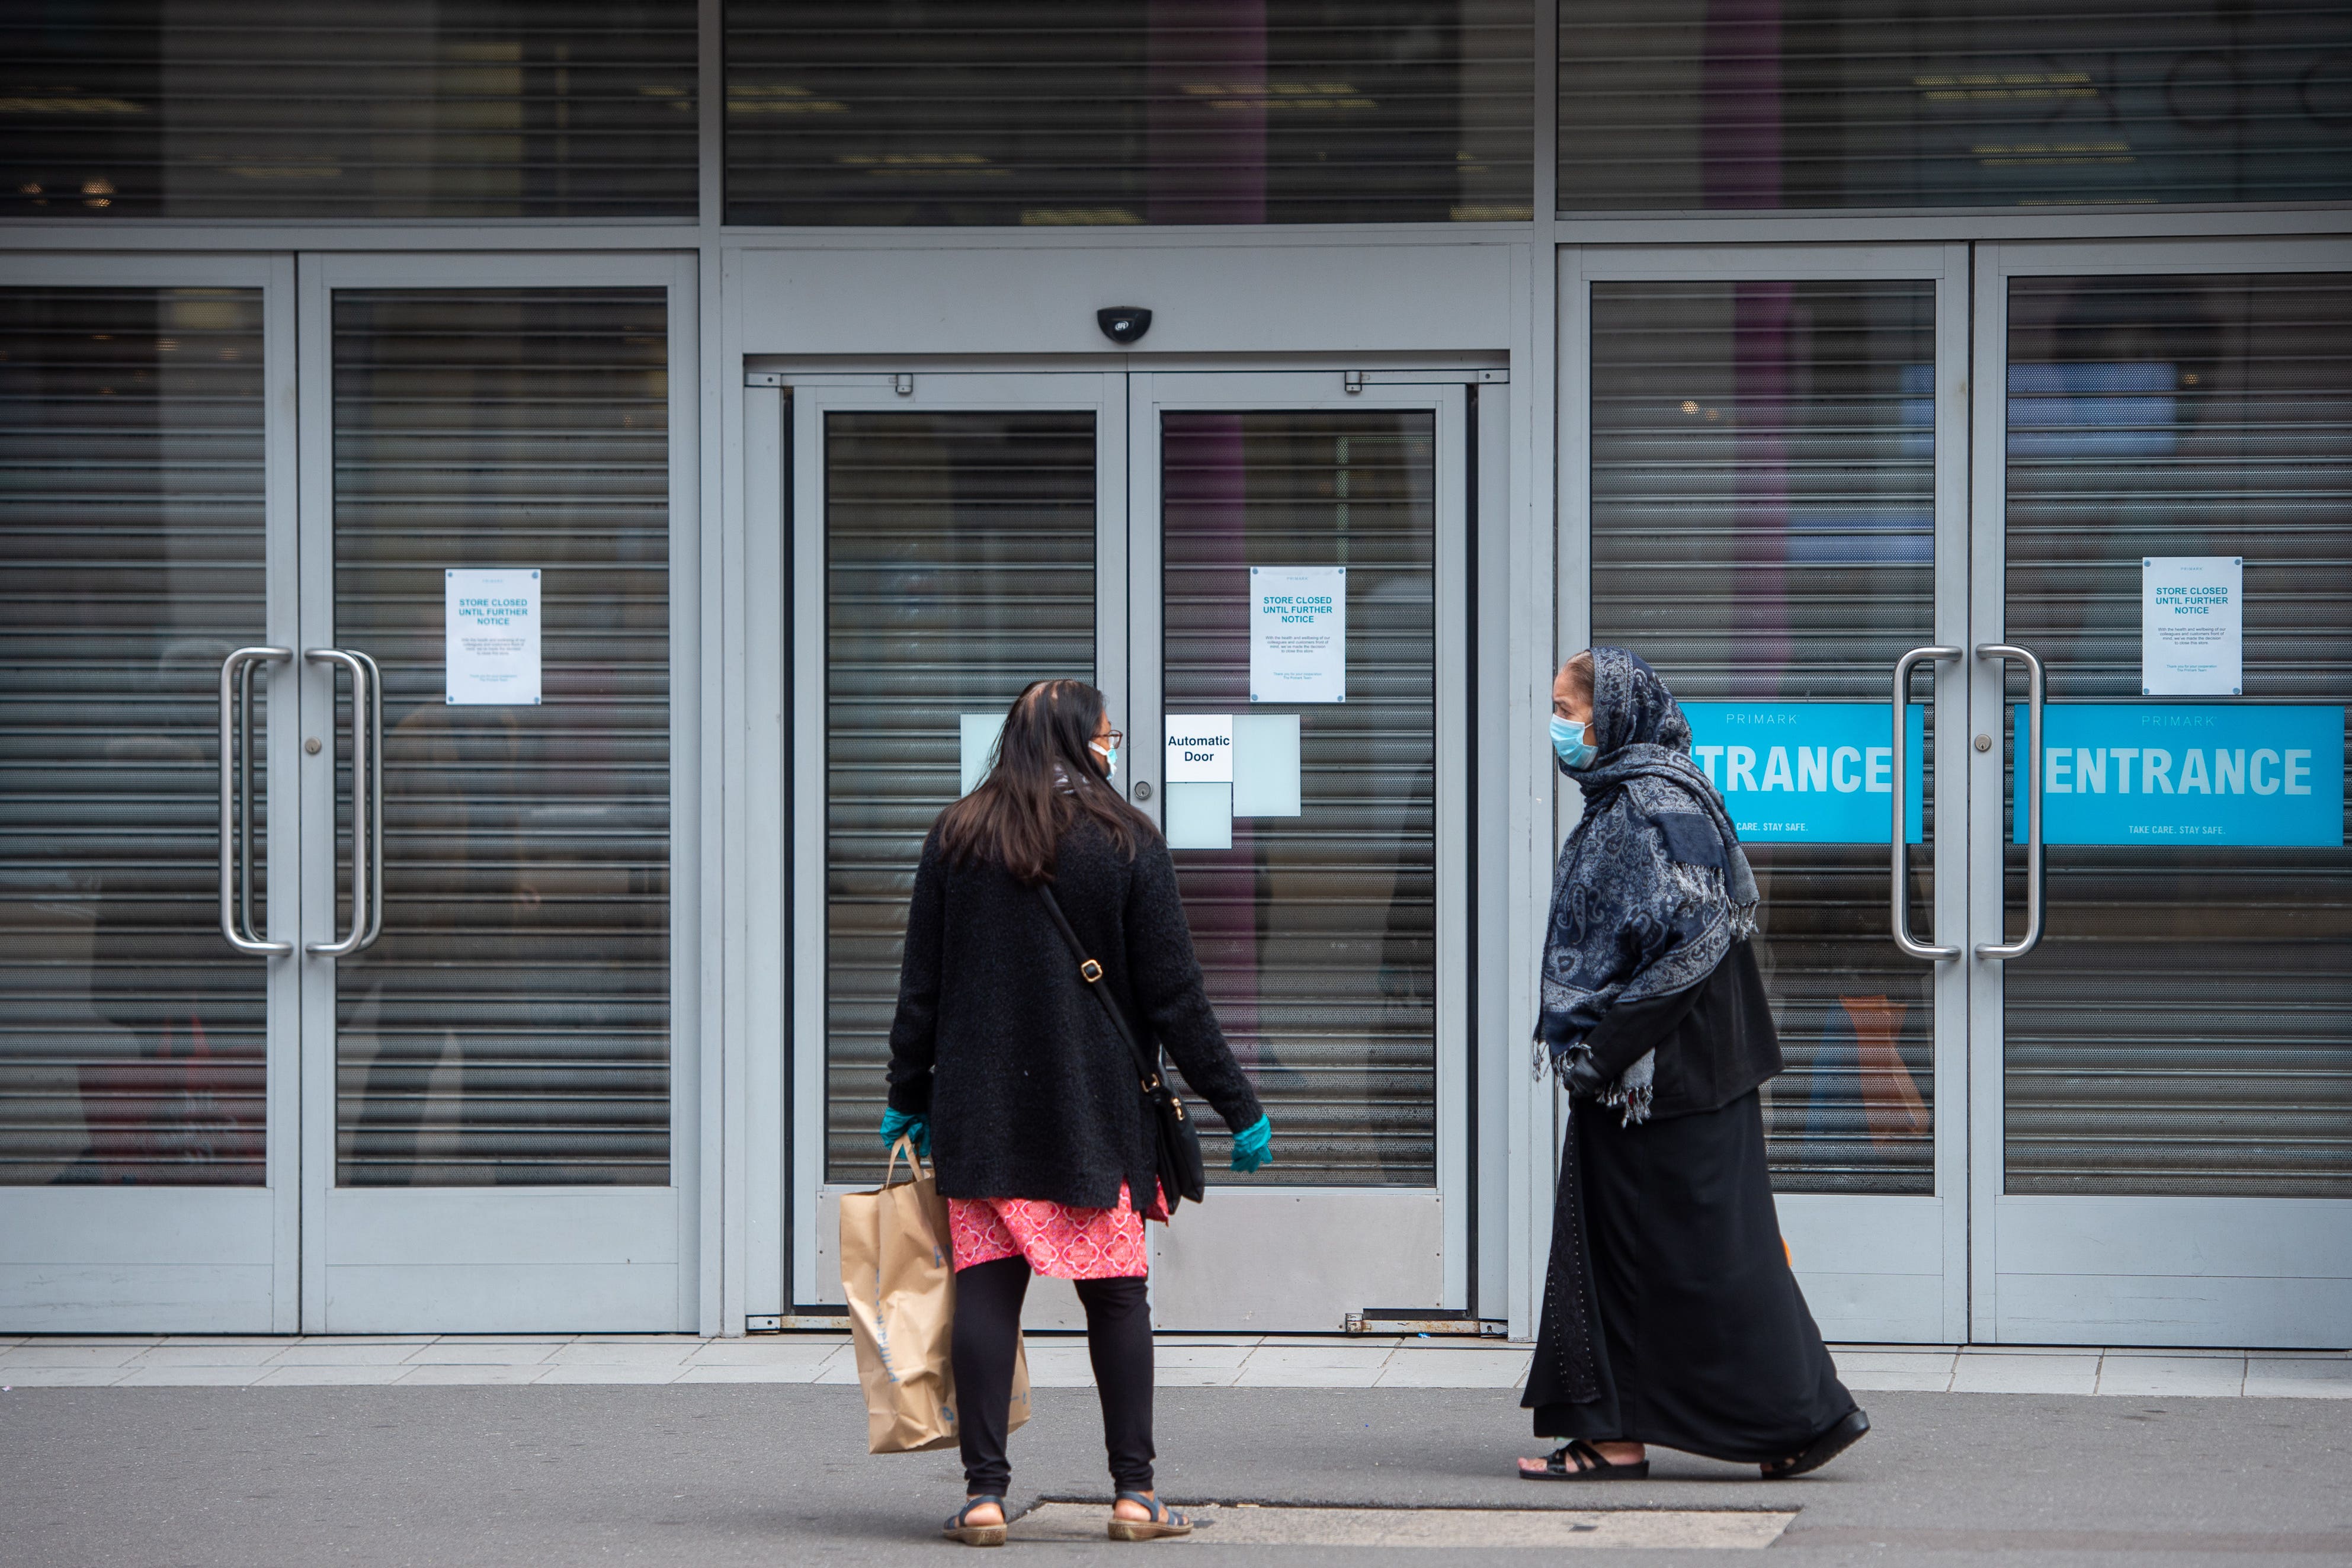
(132, 1039)
(959, 567)
(1042, 111)
(1318, 934)
(287, 109)
(1763, 529)
(1681, 104)
(512, 1025)
(2186, 1025)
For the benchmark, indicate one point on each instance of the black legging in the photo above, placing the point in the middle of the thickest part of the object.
(1119, 1341)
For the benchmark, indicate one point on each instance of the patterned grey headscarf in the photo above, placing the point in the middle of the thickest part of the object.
(1652, 888)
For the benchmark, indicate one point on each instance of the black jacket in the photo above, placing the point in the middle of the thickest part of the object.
(1030, 1091)
(1714, 1040)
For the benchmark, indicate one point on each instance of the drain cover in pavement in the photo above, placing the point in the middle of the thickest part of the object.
(1246, 1524)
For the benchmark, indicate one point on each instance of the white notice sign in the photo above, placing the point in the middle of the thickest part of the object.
(491, 636)
(2193, 626)
(1298, 634)
(1200, 748)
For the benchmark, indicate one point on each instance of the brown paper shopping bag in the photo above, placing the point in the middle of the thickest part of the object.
(898, 1277)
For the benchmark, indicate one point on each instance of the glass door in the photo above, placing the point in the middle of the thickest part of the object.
(957, 536)
(1300, 611)
(2162, 1004)
(1766, 452)
(494, 636)
(954, 537)
(147, 780)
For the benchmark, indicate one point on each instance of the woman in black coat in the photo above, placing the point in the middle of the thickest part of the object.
(1670, 1314)
(1002, 1058)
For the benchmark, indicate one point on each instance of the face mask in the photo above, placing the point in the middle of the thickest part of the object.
(1568, 744)
(1109, 753)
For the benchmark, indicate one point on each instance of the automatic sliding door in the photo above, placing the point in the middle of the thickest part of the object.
(949, 551)
(1325, 880)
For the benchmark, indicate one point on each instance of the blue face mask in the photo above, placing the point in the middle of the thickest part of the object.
(1109, 753)
(1568, 744)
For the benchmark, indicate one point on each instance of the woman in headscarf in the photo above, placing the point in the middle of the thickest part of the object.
(1670, 1315)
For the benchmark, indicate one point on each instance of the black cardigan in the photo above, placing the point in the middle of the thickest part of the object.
(1714, 1040)
(1030, 1091)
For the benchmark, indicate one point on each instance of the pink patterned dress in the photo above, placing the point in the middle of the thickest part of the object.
(1060, 1241)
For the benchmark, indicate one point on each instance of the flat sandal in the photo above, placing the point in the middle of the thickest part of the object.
(1578, 1460)
(1164, 1521)
(976, 1534)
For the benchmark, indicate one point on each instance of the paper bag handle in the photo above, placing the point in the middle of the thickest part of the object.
(914, 1161)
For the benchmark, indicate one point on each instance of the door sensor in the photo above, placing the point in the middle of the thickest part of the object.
(1123, 323)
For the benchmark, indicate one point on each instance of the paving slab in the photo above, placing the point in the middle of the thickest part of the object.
(2207, 1375)
(2002, 1372)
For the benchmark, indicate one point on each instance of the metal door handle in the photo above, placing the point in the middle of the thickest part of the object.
(1899, 899)
(362, 776)
(2028, 773)
(375, 803)
(236, 800)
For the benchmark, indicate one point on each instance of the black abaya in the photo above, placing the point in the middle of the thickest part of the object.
(1706, 1344)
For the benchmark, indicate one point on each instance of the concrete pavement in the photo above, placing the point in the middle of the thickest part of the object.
(1058, 1361)
(388, 1477)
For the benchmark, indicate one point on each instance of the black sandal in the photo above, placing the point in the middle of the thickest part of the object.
(1851, 1428)
(977, 1534)
(1589, 1466)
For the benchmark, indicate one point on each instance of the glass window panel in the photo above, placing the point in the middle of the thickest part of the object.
(1763, 530)
(959, 567)
(1318, 932)
(2186, 1025)
(512, 1025)
(282, 109)
(1691, 104)
(1127, 111)
(132, 1038)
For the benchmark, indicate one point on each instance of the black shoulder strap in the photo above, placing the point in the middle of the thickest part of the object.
(1092, 972)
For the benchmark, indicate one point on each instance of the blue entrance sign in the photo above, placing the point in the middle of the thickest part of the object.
(2169, 773)
(1812, 773)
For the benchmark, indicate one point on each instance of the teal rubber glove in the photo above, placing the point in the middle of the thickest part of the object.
(897, 1124)
(1253, 1145)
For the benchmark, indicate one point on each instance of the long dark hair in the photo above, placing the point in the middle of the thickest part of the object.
(1043, 781)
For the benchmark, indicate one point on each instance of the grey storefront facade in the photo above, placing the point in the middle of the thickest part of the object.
(751, 359)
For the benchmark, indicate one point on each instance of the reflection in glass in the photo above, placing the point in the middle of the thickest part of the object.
(1318, 932)
(511, 1027)
(131, 1037)
(959, 567)
(2186, 1025)
(1719, 104)
(1129, 111)
(216, 109)
(1763, 529)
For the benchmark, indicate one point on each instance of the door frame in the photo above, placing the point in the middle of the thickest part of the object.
(2088, 1270)
(1876, 1268)
(782, 413)
(196, 1259)
(552, 1259)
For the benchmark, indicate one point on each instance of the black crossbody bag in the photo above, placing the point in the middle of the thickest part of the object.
(1177, 1142)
